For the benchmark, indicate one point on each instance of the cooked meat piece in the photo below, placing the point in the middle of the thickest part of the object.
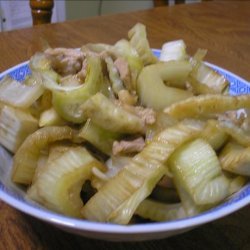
(65, 61)
(122, 67)
(126, 98)
(127, 147)
(148, 115)
(83, 72)
(124, 72)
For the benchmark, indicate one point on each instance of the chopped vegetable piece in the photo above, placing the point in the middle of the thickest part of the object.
(15, 126)
(174, 50)
(116, 82)
(139, 41)
(152, 90)
(102, 139)
(203, 105)
(67, 100)
(204, 79)
(214, 135)
(20, 95)
(26, 157)
(111, 117)
(60, 184)
(236, 159)
(50, 118)
(159, 211)
(197, 167)
(124, 50)
(239, 134)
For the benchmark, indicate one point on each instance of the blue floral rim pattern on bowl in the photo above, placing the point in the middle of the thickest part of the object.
(17, 199)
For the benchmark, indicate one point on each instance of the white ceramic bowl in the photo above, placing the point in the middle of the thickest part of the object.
(15, 196)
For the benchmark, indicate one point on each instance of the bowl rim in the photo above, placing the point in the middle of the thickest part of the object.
(44, 214)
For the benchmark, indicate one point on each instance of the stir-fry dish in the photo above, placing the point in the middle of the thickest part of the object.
(111, 133)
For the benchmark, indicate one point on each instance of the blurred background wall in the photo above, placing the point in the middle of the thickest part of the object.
(82, 9)
(15, 14)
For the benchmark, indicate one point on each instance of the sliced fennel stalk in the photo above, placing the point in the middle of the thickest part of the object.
(237, 133)
(67, 101)
(59, 184)
(174, 50)
(102, 139)
(50, 117)
(188, 204)
(15, 126)
(138, 40)
(126, 210)
(198, 170)
(158, 211)
(152, 90)
(111, 117)
(20, 95)
(214, 135)
(203, 79)
(235, 159)
(204, 105)
(116, 82)
(26, 157)
(137, 179)
(123, 49)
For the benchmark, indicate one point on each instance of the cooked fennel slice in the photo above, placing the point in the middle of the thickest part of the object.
(26, 157)
(68, 99)
(139, 176)
(174, 50)
(197, 167)
(198, 57)
(237, 133)
(205, 76)
(20, 95)
(151, 87)
(237, 183)
(235, 159)
(214, 135)
(159, 211)
(138, 39)
(32, 191)
(41, 162)
(48, 155)
(50, 117)
(197, 106)
(15, 126)
(96, 47)
(116, 82)
(111, 117)
(190, 207)
(60, 184)
(162, 121)
(123, 49)
(42, 104)
(124, 213)
(102, 139)
(40, 62)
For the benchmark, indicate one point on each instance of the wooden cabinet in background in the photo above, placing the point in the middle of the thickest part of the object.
(17, 14)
